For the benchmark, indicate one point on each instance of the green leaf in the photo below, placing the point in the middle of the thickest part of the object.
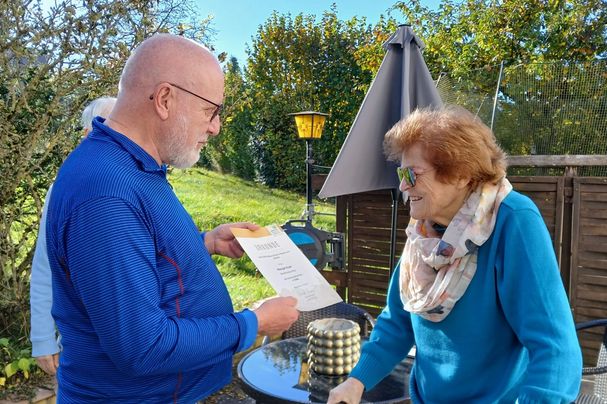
(24, 364)
(10, 369)
(4, 341)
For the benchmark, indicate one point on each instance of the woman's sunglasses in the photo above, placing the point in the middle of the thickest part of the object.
(407, 174)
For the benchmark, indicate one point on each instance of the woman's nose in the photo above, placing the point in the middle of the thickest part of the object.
(404, 186)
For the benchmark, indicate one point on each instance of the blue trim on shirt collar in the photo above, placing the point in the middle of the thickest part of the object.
(147, 162)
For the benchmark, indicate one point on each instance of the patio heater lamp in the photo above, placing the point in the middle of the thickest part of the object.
(309, 126)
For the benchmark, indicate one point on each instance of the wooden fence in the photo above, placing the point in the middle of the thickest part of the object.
(575, 212)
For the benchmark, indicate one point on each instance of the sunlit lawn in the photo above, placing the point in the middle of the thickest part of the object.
(213, 199)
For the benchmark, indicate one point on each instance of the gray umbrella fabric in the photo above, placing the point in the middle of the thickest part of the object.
(402, 84)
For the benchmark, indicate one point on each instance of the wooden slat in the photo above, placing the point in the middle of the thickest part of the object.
(594, 205)
(584, 302)
(371, 253)
(370, 298)
(373, 300)
(372, 222)
(594, 196)
(600, 280)
(541, 188)
(532, 179)
(591, 230)
(369, 265)
(591, 263)
(359, 267)
(584, 239)
(373, 205)
(558, 161)
(371, 286)
(588, 182)
(371, 244)
(358, 270)
(376, 277)
(587, 212)
(367, 232)
(588, 313)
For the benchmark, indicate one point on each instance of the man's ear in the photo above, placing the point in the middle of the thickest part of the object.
(162, 102)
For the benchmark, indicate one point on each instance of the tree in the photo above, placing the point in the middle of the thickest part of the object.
(231, 151)
(298, 64)
(551, 77)
(465, 36)
(52, 63)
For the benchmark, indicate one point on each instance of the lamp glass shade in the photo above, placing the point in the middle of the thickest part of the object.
(309, 126)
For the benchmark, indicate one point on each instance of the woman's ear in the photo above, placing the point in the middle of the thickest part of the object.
(463, 182)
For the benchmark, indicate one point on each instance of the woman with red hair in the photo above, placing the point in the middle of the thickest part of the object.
(477, 289)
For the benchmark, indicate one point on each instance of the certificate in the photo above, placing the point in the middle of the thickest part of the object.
(286, 268)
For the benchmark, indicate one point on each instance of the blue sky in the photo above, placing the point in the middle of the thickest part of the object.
(236, 21)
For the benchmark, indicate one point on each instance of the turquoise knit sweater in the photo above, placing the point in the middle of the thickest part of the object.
(510, 337)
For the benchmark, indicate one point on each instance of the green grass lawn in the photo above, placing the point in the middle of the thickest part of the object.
(212, 199)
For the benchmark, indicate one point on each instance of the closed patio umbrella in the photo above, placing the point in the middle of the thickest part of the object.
(402, 84)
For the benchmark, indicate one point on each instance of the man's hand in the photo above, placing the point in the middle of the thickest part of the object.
(276, 315)
(349, 392)
(221, 241)
(48, 363)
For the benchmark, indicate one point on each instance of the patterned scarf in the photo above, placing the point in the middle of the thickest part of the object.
(435, 272)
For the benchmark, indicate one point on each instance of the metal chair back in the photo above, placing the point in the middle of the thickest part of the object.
(599, 393)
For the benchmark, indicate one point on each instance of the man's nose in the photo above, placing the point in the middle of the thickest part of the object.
(404, 186)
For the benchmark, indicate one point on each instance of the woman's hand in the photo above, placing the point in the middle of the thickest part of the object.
(349, 392)
(48, 363)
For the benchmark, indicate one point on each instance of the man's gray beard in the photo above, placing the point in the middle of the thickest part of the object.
(179, 154)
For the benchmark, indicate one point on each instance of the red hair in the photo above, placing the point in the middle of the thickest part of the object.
(456, 143)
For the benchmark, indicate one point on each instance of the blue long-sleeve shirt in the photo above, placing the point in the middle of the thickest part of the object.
(42, 334)
(143, 312)
(510, 337)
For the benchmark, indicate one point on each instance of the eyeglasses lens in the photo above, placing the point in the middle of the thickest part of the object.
(217, 112)
(406, 174)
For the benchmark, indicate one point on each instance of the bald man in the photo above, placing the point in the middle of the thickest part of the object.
(144, 314)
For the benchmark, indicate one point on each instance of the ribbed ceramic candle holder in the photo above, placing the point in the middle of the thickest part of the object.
(333, 346)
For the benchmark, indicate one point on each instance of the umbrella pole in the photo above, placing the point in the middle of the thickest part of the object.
(309, 211)
(395, 194)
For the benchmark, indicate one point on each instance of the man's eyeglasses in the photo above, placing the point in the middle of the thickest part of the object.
(218, 107)
(407, 174)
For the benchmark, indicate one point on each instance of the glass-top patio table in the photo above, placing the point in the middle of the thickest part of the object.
(278, 373)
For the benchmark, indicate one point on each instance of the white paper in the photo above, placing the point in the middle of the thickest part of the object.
(286, 268)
